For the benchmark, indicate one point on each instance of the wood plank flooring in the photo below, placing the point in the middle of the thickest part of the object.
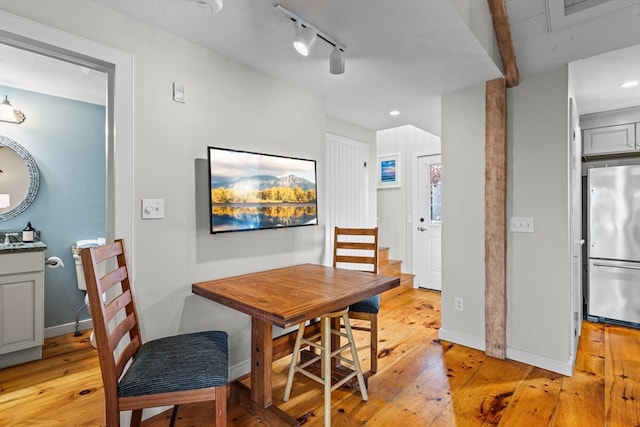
(421, 381)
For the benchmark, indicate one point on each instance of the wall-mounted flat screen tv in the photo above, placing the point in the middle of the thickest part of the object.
(253, 191)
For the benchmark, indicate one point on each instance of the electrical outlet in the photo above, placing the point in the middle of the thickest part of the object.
(459, 304)
(152, 208)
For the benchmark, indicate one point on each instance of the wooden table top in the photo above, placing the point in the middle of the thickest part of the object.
(287, 296)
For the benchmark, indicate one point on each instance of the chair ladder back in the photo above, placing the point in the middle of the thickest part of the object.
(104, 315)
(356, 246)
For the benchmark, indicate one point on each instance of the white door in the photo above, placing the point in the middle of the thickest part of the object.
(347, 187)
(427, 220)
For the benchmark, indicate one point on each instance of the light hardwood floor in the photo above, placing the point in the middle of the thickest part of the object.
(421, 381)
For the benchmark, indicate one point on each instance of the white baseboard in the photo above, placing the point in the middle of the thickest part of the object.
(462, 339)
(67, 328)
(564, 368)
(239, 369)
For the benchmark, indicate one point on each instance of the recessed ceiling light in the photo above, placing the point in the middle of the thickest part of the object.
(394, 113)
(630, 83)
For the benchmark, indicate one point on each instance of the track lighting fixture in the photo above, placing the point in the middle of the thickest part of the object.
(306, 36)
(305, 39)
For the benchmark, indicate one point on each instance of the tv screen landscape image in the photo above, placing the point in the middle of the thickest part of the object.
(253, 191)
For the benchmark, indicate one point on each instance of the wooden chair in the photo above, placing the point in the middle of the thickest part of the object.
(357, 249)
(163, 372)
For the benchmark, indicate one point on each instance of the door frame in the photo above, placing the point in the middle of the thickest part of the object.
(50, 41)
(415, 155)
(575, 211)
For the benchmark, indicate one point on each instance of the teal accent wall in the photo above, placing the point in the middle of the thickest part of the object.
(67, 140)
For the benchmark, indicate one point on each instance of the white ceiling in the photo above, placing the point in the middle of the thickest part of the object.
(597, 80)
(37, 73)
(602, 44)
(399, 55)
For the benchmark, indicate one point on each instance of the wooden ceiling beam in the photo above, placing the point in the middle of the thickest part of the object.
(502, 31)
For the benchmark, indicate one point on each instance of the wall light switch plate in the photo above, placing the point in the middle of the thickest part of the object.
(152, 208)
(178, 92)
(521, 224)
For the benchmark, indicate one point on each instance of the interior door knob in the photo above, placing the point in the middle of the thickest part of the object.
(422, 229)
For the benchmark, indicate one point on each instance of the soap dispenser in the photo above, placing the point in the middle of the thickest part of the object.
(27, 233)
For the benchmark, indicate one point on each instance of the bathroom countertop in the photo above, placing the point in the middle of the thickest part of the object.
(22, 247)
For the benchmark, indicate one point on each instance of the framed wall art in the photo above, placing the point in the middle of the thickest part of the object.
(389, 171)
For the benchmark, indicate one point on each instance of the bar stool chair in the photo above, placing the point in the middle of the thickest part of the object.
(325, 356)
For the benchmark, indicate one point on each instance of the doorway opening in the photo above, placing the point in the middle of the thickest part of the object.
(34, 37)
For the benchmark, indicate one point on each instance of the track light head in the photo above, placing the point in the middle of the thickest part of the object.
(305, 39)
(306, 36)
(336, 61)
(213, 6)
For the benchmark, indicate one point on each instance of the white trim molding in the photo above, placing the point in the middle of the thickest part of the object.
(561, 367)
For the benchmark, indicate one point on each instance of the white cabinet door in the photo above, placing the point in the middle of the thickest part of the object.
(21, 303)
(21, 317)
(609, 139)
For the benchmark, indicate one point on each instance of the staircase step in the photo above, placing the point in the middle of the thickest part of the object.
(406, 283)
(383, 255)
(391, 268)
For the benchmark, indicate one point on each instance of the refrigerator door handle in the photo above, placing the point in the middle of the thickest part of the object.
(628, 267)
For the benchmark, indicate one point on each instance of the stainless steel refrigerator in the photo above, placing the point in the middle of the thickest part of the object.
(614, 244)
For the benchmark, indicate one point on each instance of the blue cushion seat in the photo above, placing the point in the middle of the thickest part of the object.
(177, 363)
(370, 305)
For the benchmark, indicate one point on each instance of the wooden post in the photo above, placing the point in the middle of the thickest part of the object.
(495, 196)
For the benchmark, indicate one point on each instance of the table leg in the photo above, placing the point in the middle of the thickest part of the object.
(261, 361)
(258, 399)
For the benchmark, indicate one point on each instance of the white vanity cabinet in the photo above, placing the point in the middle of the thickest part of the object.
(21, 306)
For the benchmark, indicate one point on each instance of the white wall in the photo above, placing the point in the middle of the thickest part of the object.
(226, 105)
(463, 125)
(394, 204)
(538, 264)
(477, 17)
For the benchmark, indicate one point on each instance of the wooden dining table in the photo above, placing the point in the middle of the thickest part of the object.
(285, 297)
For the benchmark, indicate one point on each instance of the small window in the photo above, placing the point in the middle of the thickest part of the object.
(435, 193)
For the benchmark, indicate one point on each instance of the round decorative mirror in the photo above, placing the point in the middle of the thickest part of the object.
(19, 179)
